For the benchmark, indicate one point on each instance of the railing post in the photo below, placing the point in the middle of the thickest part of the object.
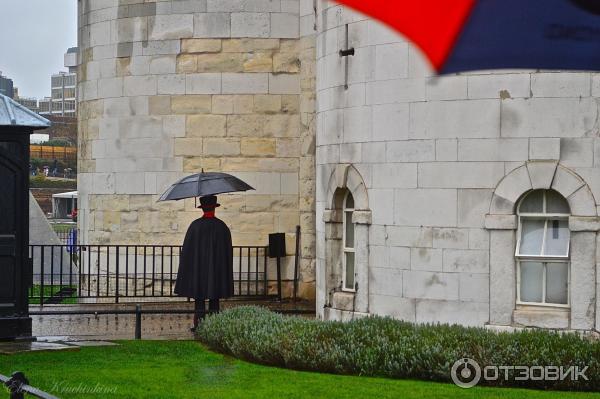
(117, 276)
(138, 321)
(265, 267)
(15, 385)
(277, 250)
(278, 278)
(296, 261)
(42, 268)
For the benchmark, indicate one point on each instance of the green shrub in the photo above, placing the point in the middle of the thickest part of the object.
(378, 346)
(41, 181)
(58, 143)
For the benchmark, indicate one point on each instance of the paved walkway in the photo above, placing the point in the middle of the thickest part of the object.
(48, 344)
(154, 326)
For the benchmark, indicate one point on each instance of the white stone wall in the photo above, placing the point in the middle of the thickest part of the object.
(431, 151)
(168, 88)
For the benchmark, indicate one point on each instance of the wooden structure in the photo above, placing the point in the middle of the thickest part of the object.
(16, 124)
(51, 152)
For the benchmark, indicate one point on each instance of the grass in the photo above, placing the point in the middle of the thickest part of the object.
(49, 290)
(185, 369)
(41, 181)
(63, 227)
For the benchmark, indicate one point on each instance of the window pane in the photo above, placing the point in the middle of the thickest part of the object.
(556, 203)
(557, 238)
(557, 283)
(349, 270)
(533, 203)
(349, 201)
(532, 236)
(532, 276)
(349, 231)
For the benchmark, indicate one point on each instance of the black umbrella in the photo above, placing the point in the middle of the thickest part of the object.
(201, 184)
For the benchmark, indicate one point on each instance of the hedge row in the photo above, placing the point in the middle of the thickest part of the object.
(41, 181)
(378, 346)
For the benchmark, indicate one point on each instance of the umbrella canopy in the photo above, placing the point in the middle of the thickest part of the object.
(201, 184)
(463, 35)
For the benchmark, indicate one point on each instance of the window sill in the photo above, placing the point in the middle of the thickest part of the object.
(554, 317)
(534, 305)
(343, 300)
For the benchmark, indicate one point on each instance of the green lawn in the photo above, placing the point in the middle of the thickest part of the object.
(49, 290)
(184, 369)
(63, 227)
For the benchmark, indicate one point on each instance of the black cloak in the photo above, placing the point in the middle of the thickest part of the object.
(206, 262)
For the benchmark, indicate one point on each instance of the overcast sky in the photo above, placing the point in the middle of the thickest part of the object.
(34, 36)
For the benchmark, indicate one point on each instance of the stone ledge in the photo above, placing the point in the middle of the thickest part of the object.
(532, 316)
(343, 315)
(361, 217)
(583, 223)
(502, 328)
(501, 222)
(343, 300)
(511, 329)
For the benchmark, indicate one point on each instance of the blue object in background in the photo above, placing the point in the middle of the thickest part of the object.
(72, 241)
(531, 34)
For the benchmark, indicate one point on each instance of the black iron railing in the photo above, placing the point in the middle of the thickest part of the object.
(18, 385)
(113, 273)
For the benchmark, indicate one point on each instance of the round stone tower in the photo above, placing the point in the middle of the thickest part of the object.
(420, 180)
(168, 88)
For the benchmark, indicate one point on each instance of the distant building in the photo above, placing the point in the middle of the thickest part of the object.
(63, 98)
(71, 59)
(44, 106)
(6, 86)
(29, 102)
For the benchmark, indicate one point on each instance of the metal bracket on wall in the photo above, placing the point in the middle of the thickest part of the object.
(346, 53)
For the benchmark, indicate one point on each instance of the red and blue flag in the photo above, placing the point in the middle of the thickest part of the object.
(462, 35)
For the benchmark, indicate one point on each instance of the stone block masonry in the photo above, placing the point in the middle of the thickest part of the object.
(168, 88)
(434, 156)
(436, 164)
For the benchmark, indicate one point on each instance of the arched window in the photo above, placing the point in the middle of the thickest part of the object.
(543, 249)
(348, 257)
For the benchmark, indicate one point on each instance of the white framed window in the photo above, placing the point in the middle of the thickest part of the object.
(543, 267)
(348, 256)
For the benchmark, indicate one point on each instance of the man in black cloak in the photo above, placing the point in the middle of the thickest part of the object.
(206, 262)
